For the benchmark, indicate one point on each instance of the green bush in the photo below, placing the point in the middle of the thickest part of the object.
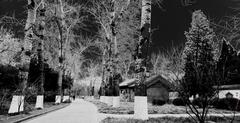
(199, 102)
(49, 96)
(8, 77)
(158, 102)
(214, 102)
(179, 102)
(228, 104)
(5, 99)
(31, 99)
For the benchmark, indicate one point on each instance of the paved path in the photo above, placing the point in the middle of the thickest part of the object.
(78, 111)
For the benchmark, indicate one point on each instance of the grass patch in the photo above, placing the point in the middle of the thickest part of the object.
(128, 108)
(169, 120)
(125, 108)
(151, 120)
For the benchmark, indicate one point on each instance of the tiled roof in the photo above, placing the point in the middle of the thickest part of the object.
(127, 82)
(150, 81)
(228, 87)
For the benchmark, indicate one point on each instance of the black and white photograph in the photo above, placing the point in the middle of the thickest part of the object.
(119, 61)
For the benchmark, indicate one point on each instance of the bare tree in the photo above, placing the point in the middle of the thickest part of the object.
(65, 18)
(228, 28)
(39, 31)
(10, 48)
(140, 99)
(26, 53)
(108, 14)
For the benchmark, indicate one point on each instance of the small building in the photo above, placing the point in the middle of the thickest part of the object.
(226, 91)
(158, 88)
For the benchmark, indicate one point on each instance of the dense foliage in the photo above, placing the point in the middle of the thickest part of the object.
(228, 64)
(199, 55)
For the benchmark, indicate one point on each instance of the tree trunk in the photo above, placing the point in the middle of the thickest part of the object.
(41, 48)
(103, 84)
(59, 95)
(41, 29)
(28, 43)
(140, 99)
(18, 98)
(60, 53)
(111, 53)
(113, 81)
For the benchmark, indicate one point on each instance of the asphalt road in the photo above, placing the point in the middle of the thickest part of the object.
(79, 111)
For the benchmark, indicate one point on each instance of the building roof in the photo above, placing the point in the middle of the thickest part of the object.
(149, 82)
(229, 87)
(127, 82)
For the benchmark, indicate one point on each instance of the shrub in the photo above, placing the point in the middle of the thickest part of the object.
(31, 94)
(5, 99)
(49, 96)
(158, 102)
(31, 99)
(8, 77)
(197, 102)
(228, 104)
(214, 102)
(179, 102)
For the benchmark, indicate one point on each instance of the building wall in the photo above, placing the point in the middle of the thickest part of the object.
(127, 95)
(159, 93)
(235, 93)
(173, 95)
(155, 91)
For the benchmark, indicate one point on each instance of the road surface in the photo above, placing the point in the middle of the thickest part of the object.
(79, 111)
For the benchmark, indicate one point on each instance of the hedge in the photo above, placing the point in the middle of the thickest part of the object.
(158, 102)
(179, 102)
(228, 104)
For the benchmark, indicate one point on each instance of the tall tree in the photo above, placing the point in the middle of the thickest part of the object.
(127, 36)
(140, 99)
(61, 24)
(65, 18)
(200, 66)
(18, 101)
(199, 51)
(108, 14)
(40, 33)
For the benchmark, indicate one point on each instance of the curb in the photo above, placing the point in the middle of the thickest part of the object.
(36, 115)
